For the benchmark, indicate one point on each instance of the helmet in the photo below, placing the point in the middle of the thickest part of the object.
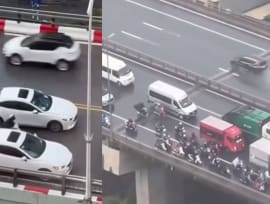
(180, 123)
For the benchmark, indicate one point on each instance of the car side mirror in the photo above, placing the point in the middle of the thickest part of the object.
(35, 111)
(24, 158)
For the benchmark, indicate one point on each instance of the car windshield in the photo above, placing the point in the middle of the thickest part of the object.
(185, 102)
(124, 71)
(42, 101)
(236, 139)
(33, 146)
(28, 40)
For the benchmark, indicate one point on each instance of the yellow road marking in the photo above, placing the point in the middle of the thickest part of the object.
(92, 107)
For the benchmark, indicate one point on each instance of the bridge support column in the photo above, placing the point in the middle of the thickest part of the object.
(155, 186)
(142, 186)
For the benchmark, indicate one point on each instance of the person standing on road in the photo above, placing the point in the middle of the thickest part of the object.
(35, 5)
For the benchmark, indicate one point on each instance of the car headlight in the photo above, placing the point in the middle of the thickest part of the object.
(57, 168)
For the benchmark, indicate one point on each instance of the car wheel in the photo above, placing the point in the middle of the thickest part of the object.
(15, 59)
(55, 126)
(62, 65)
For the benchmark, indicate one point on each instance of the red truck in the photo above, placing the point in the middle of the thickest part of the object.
(216, 130)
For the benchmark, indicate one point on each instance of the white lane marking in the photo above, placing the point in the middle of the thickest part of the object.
(216, 20)
(231, 99)
(196, 25)
(150, 68)
(212, 112)
(223, 70)
(140, 38)
(172, 33)
(131, 35)
(235, 74)
(111, 35)
(161, 29)
(153, 26)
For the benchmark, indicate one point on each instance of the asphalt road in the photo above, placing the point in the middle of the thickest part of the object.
(207, 102)
(71, 85)
(185, 39)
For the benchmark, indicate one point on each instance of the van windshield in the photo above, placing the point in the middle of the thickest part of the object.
(124, 71)
(185, 102)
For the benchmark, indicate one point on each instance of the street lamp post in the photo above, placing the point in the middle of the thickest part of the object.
(89, 136)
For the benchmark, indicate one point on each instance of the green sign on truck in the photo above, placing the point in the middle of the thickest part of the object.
(254, 122)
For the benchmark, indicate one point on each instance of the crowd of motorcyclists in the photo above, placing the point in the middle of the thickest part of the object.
(192, 149)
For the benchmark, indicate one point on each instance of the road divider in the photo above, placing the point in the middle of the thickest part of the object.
(186, 75)
(92, 107)
(26, 28)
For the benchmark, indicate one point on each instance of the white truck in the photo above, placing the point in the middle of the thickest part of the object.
(259, 153)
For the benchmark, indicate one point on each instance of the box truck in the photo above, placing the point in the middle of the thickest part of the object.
(259, 152)
(216, 130)
(254, 122)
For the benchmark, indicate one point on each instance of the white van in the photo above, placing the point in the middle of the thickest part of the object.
(116, 70)
(174, 100)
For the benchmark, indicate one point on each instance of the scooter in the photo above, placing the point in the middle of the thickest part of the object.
(131, 129)
(105, 120)
(10, 122)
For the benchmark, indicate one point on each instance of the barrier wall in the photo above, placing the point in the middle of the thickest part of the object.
(27, 194)
(9, 26)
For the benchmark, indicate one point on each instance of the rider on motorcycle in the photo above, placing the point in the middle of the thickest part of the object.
(130, 124)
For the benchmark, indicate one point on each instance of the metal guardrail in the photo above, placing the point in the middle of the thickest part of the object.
(187, 167)
(251, 24)
(58, 18)
(63, 183)
(185, 74)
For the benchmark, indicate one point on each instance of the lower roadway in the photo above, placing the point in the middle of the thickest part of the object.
(71, 85)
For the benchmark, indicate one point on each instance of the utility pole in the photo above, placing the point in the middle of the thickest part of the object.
(89, 135)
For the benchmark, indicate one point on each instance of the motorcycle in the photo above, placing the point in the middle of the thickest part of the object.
(163, 145)
(257, 180)
(161, 131)
(131, 128)
(141, 109)
(105, 120)
(221, 168)
(238, 166)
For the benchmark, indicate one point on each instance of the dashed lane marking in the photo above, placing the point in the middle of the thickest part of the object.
(139, 38)
(153, 26)
(223, 70)
(111, 35)
(131, 35)
(235, 74)
(196, 25)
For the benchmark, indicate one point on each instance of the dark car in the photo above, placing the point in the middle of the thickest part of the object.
(252, 63)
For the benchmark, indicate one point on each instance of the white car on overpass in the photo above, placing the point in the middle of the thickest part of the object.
(23, 150)
(37, 109)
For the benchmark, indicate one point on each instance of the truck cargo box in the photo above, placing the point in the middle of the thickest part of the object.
(259, 152)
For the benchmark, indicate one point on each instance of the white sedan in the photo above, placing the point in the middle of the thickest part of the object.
(35, 108)
(23, 150)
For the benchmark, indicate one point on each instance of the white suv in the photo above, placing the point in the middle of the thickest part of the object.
(52, 48)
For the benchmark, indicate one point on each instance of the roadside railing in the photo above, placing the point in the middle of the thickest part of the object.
(186, 74)
(57, 18)
(209, 8)
(63, 183)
